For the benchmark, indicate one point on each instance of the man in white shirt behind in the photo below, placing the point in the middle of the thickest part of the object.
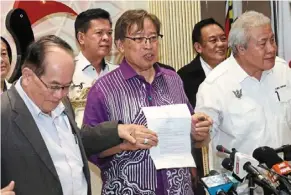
(93, 31)
(248, 96)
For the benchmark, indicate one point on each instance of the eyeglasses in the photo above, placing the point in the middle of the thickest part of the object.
(152, 39)
(54, 88)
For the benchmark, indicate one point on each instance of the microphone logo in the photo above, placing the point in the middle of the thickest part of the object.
(283, 168)
(237, 167)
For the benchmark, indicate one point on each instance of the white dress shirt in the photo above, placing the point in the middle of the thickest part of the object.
(206, 68)
(247, 113)
(84, 77)
(61, 143)
(8, 85)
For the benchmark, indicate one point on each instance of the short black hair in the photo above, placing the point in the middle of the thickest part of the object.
(8, 48)
(82, 22)
(196, 33)
(36, 52)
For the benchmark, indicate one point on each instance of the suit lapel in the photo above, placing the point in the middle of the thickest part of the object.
(27, 125)
(196, 66)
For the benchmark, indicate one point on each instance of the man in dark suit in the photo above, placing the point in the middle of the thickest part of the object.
(41, 146)
(210, 43)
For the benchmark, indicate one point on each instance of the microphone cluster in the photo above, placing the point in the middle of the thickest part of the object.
(243, 166)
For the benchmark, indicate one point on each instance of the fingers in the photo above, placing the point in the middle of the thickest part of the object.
(8, 193)
(126, 146)
(128, 137)
(201, 134)
(135, 136)
(201, 117)
(143, 146)
(8, 189)
(126, 132)
(201, 122)
(150, 138)
(203, 128)
(147, 131)
(146, 141)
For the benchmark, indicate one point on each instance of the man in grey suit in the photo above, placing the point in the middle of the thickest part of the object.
(41, 146)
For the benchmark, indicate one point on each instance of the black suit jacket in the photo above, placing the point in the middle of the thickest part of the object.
(192, 76)
(24, 155)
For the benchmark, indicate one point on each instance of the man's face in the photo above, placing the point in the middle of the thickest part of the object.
(213, 46)
(141, 54)
(5, 64)
(53, 85)
(261, 50)
(97, 41)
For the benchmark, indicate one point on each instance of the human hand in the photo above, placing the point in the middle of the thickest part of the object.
(136, 137)
(8, 190)
(201, 124)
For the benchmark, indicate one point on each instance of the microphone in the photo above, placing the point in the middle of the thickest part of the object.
(228, 165)
(283, 148)
(218, 184)
(240, 160)
(258, 178)
(231, 191)
(220, 148)
(269, 157)
(286, 149)
(243, 166)
(231, 153)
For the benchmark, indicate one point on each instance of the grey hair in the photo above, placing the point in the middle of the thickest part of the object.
(239, 35)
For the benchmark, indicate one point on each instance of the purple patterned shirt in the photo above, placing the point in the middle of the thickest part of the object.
(120, 95)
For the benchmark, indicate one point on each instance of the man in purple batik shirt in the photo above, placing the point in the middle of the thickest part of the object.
(120, 95)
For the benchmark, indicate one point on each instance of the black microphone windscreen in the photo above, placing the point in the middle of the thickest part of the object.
(220, 148)
(227, 164)
(267, 155)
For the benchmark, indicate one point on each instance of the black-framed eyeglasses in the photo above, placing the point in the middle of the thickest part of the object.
(152, 39)
(54, 88)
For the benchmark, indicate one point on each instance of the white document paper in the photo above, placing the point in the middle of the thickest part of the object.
(172, 123)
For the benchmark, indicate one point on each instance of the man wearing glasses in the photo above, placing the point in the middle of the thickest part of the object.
(42, 150)
(138, 82)
(93, 32)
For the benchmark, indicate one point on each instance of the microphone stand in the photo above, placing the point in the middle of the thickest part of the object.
(251, 184)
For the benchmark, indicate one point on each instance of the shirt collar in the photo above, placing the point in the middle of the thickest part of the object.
(207, 69)
(83, 63)
(240, 74)
(5, 86)
(33, 108)
(128, 72)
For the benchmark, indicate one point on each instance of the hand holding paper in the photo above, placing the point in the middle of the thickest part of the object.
(137, 137)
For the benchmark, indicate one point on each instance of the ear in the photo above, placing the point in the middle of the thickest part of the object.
(198, 47)
(120, 45)
(81, 37)
(27, 75)
(241, 49)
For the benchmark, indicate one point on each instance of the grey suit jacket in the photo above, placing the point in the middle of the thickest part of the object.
(24, 155)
